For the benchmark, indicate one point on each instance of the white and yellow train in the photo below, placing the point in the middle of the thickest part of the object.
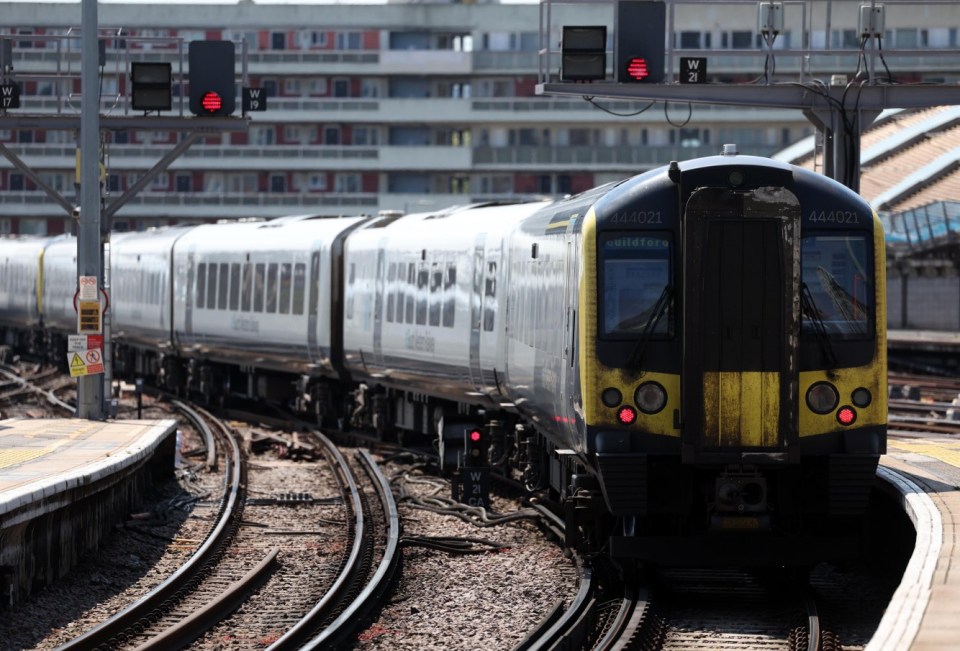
(693, 361)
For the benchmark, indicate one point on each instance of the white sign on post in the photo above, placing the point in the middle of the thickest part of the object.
(88, 288)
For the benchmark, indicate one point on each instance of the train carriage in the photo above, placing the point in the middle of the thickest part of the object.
(426, 309)
(261, 291)
(20, 281)
(141, 287)
(60, 285)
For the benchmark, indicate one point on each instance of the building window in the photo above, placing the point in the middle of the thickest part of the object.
(341, 88)
(291, 86)
(278, 41)
(366, 136)
(346, 183)
(348, 41)
(688, 40)
(331, 135)
(278, 183)
(318, 39)
(318, 86)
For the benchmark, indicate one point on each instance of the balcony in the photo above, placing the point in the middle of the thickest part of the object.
(388, 158)
(205, 206)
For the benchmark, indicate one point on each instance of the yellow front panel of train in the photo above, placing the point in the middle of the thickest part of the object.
(741, 409)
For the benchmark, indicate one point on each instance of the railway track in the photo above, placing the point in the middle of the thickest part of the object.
(340, 596)
(923, 404)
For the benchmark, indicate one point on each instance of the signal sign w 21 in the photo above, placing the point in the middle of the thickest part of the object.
(693, 70)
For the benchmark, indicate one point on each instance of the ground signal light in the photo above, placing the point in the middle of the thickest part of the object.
(640, 43)
(212, 70)
(476, 448)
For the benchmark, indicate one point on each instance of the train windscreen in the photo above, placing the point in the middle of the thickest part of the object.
(837, 274)
(635, 274)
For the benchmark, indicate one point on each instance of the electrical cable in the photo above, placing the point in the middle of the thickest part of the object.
(681, 124)
(619, 115)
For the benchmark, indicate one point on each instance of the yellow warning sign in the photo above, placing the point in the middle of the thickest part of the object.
(85, 362)
(78, 367)
(88, 318)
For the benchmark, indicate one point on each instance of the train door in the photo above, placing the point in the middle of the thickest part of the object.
(741, 321)
(476, 311)
(378, 306)
(188, 302)
(313, 346)
(571, 292)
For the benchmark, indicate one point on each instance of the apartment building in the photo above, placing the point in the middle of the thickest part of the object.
(410, 106)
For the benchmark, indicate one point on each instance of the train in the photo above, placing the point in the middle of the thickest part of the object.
(691, 361)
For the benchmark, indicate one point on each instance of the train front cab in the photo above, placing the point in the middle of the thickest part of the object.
(735, 396)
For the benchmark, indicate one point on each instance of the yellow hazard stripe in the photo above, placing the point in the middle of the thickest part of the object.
(947, 454)
(19, 455)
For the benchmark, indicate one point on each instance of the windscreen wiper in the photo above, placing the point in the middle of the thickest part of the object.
(659, 309)
(809, 308)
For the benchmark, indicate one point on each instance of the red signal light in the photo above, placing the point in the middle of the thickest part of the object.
(627, 415)
(846, 415)
(211, 102)
(475, 436)
(637, 68)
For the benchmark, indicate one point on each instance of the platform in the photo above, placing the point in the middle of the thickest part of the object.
(924, 340)
(924, 614)
(64, 483)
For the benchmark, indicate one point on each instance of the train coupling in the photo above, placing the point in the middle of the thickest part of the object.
(740, 491)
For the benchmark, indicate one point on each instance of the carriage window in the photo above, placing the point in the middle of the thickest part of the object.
(201, 284)
(273, 290)
(235, 286)
(436, 282)
(259, 283)
(285, 270)
(299, 286)
(224, 279)
(449, 295)
(247, 293)
(635, 274)
(212, 287)
(423, 279)
(837, 274)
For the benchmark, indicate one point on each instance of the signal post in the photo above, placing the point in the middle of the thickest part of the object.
(212, 81)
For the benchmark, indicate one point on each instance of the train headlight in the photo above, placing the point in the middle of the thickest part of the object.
(862, 397)
(650, 397)
(847, 416)
(611, 397)
(822, 397)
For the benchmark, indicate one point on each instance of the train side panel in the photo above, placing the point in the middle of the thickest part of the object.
(141, 287)
(424, 302)
(260, 290)
(20, 265)
(60, 285)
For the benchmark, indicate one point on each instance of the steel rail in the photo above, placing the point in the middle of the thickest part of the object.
(106, 633)
(380, 582)
(569, 626)
(628, 623)
(187, 630)
(310, 622)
